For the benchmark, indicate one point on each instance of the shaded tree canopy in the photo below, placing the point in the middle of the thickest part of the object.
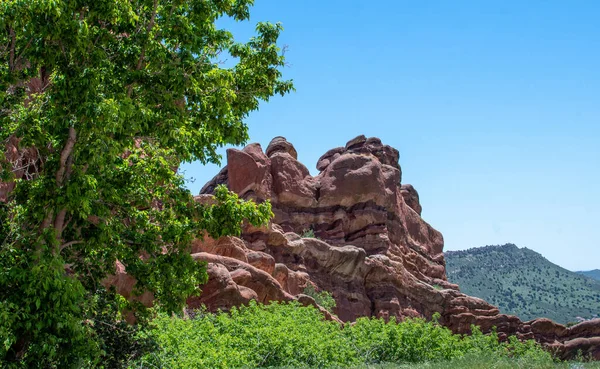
(100, 102)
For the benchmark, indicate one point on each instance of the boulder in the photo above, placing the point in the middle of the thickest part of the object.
(280, 145)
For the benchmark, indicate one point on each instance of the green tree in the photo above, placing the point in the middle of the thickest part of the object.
(100, 102)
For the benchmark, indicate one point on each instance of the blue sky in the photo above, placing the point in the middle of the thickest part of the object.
(493, 105)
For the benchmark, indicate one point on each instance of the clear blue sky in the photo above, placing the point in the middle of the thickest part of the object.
(493, 105)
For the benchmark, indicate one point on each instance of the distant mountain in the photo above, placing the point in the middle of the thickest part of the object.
(595, 274)
(522, 282)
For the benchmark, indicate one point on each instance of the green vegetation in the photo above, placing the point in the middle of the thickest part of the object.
(308, 233)
(323, 298)
(291, 335)
(523, 283)
(479, 361)
(104, 100)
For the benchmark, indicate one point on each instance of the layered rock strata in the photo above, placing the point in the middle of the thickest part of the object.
(371, 248)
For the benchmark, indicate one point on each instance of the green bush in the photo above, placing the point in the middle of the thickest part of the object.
(287, 334)
(249, 336)
(118, 340)
(308, 233)
(323, 298)
(413, 340)
(482, 361)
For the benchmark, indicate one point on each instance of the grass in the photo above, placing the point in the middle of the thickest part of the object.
(483, 362)
(480, 362)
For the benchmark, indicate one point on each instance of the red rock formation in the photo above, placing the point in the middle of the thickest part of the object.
(373, 251)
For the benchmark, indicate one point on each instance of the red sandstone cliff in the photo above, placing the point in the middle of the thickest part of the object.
(373, 250)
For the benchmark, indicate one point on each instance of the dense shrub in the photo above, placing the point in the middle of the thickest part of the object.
(119, 341)
(323, 298)
(413, 340)
(282, 334)
(251, 336)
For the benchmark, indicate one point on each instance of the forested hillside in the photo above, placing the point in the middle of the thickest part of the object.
(524, 283)
(595, 274)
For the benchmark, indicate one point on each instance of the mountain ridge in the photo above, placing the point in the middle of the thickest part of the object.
(524, 283)
(594, 273)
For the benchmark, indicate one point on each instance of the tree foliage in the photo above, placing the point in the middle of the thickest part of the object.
(100, 102)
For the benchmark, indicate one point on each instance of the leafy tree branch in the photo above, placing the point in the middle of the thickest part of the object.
(100, 102)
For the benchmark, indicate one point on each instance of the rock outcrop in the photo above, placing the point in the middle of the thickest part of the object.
(368, 244)
(371, 248)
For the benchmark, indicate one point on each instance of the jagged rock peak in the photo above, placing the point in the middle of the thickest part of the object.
(411, 197)
(362, 145)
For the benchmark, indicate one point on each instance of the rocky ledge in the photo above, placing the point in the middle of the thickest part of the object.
(371, 249)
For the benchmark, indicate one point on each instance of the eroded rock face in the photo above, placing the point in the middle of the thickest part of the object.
(411, 197)
(372, 250)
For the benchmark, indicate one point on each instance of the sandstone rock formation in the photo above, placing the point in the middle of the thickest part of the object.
(372, 250)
